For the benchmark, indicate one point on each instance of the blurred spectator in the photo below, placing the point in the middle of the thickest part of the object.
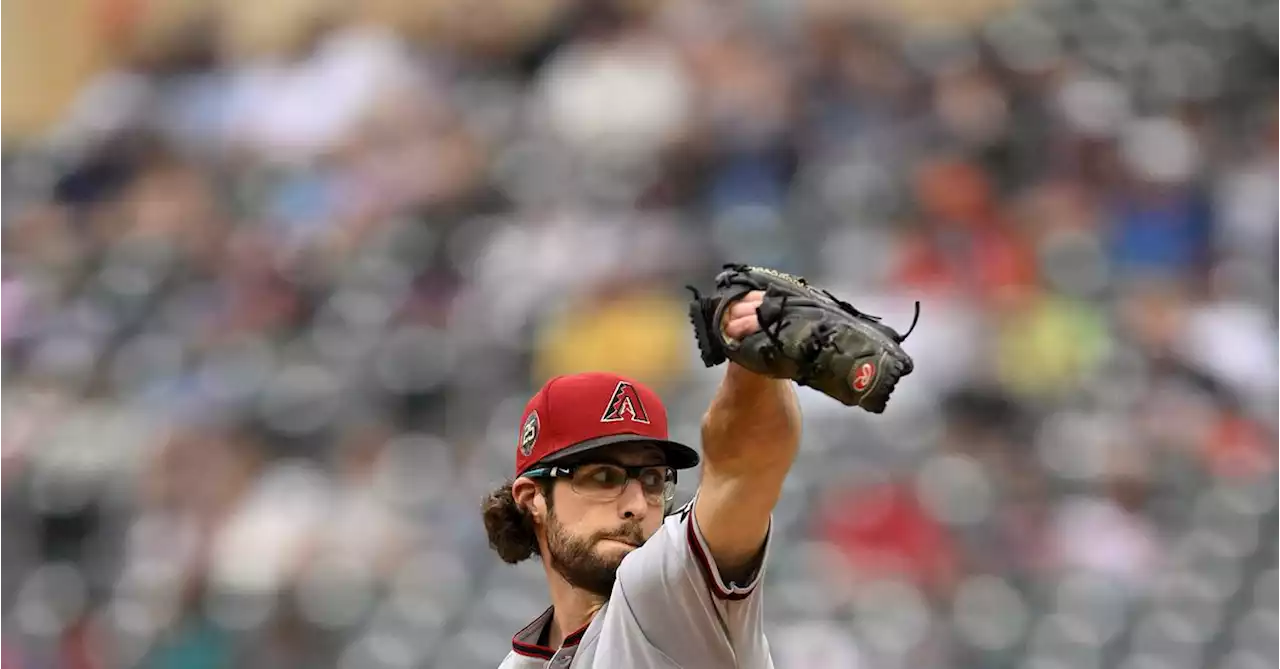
(636, 334)
(967, 245)
(817, 643)
(1161, 224)
(1108, 534)
(884, 533)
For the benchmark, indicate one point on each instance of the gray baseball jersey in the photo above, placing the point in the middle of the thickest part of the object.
(669, 608)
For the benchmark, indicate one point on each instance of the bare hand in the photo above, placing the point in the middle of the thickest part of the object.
(740, 318)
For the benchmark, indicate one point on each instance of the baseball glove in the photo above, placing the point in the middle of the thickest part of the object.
(806, 334)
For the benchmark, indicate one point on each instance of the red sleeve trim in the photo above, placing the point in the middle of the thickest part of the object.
(709, 571)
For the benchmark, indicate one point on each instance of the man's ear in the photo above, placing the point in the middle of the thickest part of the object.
(525, 492)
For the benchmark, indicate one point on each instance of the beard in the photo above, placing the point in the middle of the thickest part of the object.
(577, 560)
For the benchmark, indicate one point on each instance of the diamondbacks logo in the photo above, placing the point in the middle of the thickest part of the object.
(529, 433)
(863, 376)
(625, 402)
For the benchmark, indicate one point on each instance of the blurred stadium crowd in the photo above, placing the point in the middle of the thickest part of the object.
(278, 283)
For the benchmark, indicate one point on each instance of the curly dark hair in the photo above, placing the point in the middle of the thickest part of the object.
(510, 527)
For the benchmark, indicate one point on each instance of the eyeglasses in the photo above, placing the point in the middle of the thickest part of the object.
(606, 482)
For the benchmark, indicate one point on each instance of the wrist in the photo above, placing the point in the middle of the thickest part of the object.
(738, 375)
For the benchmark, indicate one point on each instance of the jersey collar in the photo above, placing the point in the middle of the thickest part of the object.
(525, 642)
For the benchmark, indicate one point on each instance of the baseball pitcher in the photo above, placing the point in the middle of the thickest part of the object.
(633, 583)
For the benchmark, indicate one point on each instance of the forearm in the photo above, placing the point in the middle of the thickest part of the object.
(753, 424)
(750, 436)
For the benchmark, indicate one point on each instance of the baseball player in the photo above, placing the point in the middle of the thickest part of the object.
(632, 583)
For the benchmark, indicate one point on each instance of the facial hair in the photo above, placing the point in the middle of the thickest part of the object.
(576, 559)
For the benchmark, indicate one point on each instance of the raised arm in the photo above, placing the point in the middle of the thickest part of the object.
(750, 435)
(692, 588)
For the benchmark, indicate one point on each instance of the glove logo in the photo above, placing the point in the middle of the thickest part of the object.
(863, 377)
(625, 402)
(529, 434)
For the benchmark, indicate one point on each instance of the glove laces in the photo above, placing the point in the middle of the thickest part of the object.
(853, 311)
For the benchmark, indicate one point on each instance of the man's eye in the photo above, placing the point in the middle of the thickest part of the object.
(608, 476)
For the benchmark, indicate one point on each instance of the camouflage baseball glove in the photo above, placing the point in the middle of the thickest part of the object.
(806, 334)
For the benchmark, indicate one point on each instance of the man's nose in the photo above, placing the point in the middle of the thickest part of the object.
(632, 502)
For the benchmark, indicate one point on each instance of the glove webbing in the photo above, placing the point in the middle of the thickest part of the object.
(807, 366)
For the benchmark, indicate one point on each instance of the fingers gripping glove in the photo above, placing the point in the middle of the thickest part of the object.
(806, 334)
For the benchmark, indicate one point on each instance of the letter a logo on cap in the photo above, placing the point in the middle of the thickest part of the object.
(625, 402)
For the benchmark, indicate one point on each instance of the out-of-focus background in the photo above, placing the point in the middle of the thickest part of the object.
(278, 277)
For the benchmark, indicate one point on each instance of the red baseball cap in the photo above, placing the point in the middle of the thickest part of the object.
(577, 413)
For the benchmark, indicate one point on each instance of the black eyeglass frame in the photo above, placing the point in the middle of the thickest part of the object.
(633, 474)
